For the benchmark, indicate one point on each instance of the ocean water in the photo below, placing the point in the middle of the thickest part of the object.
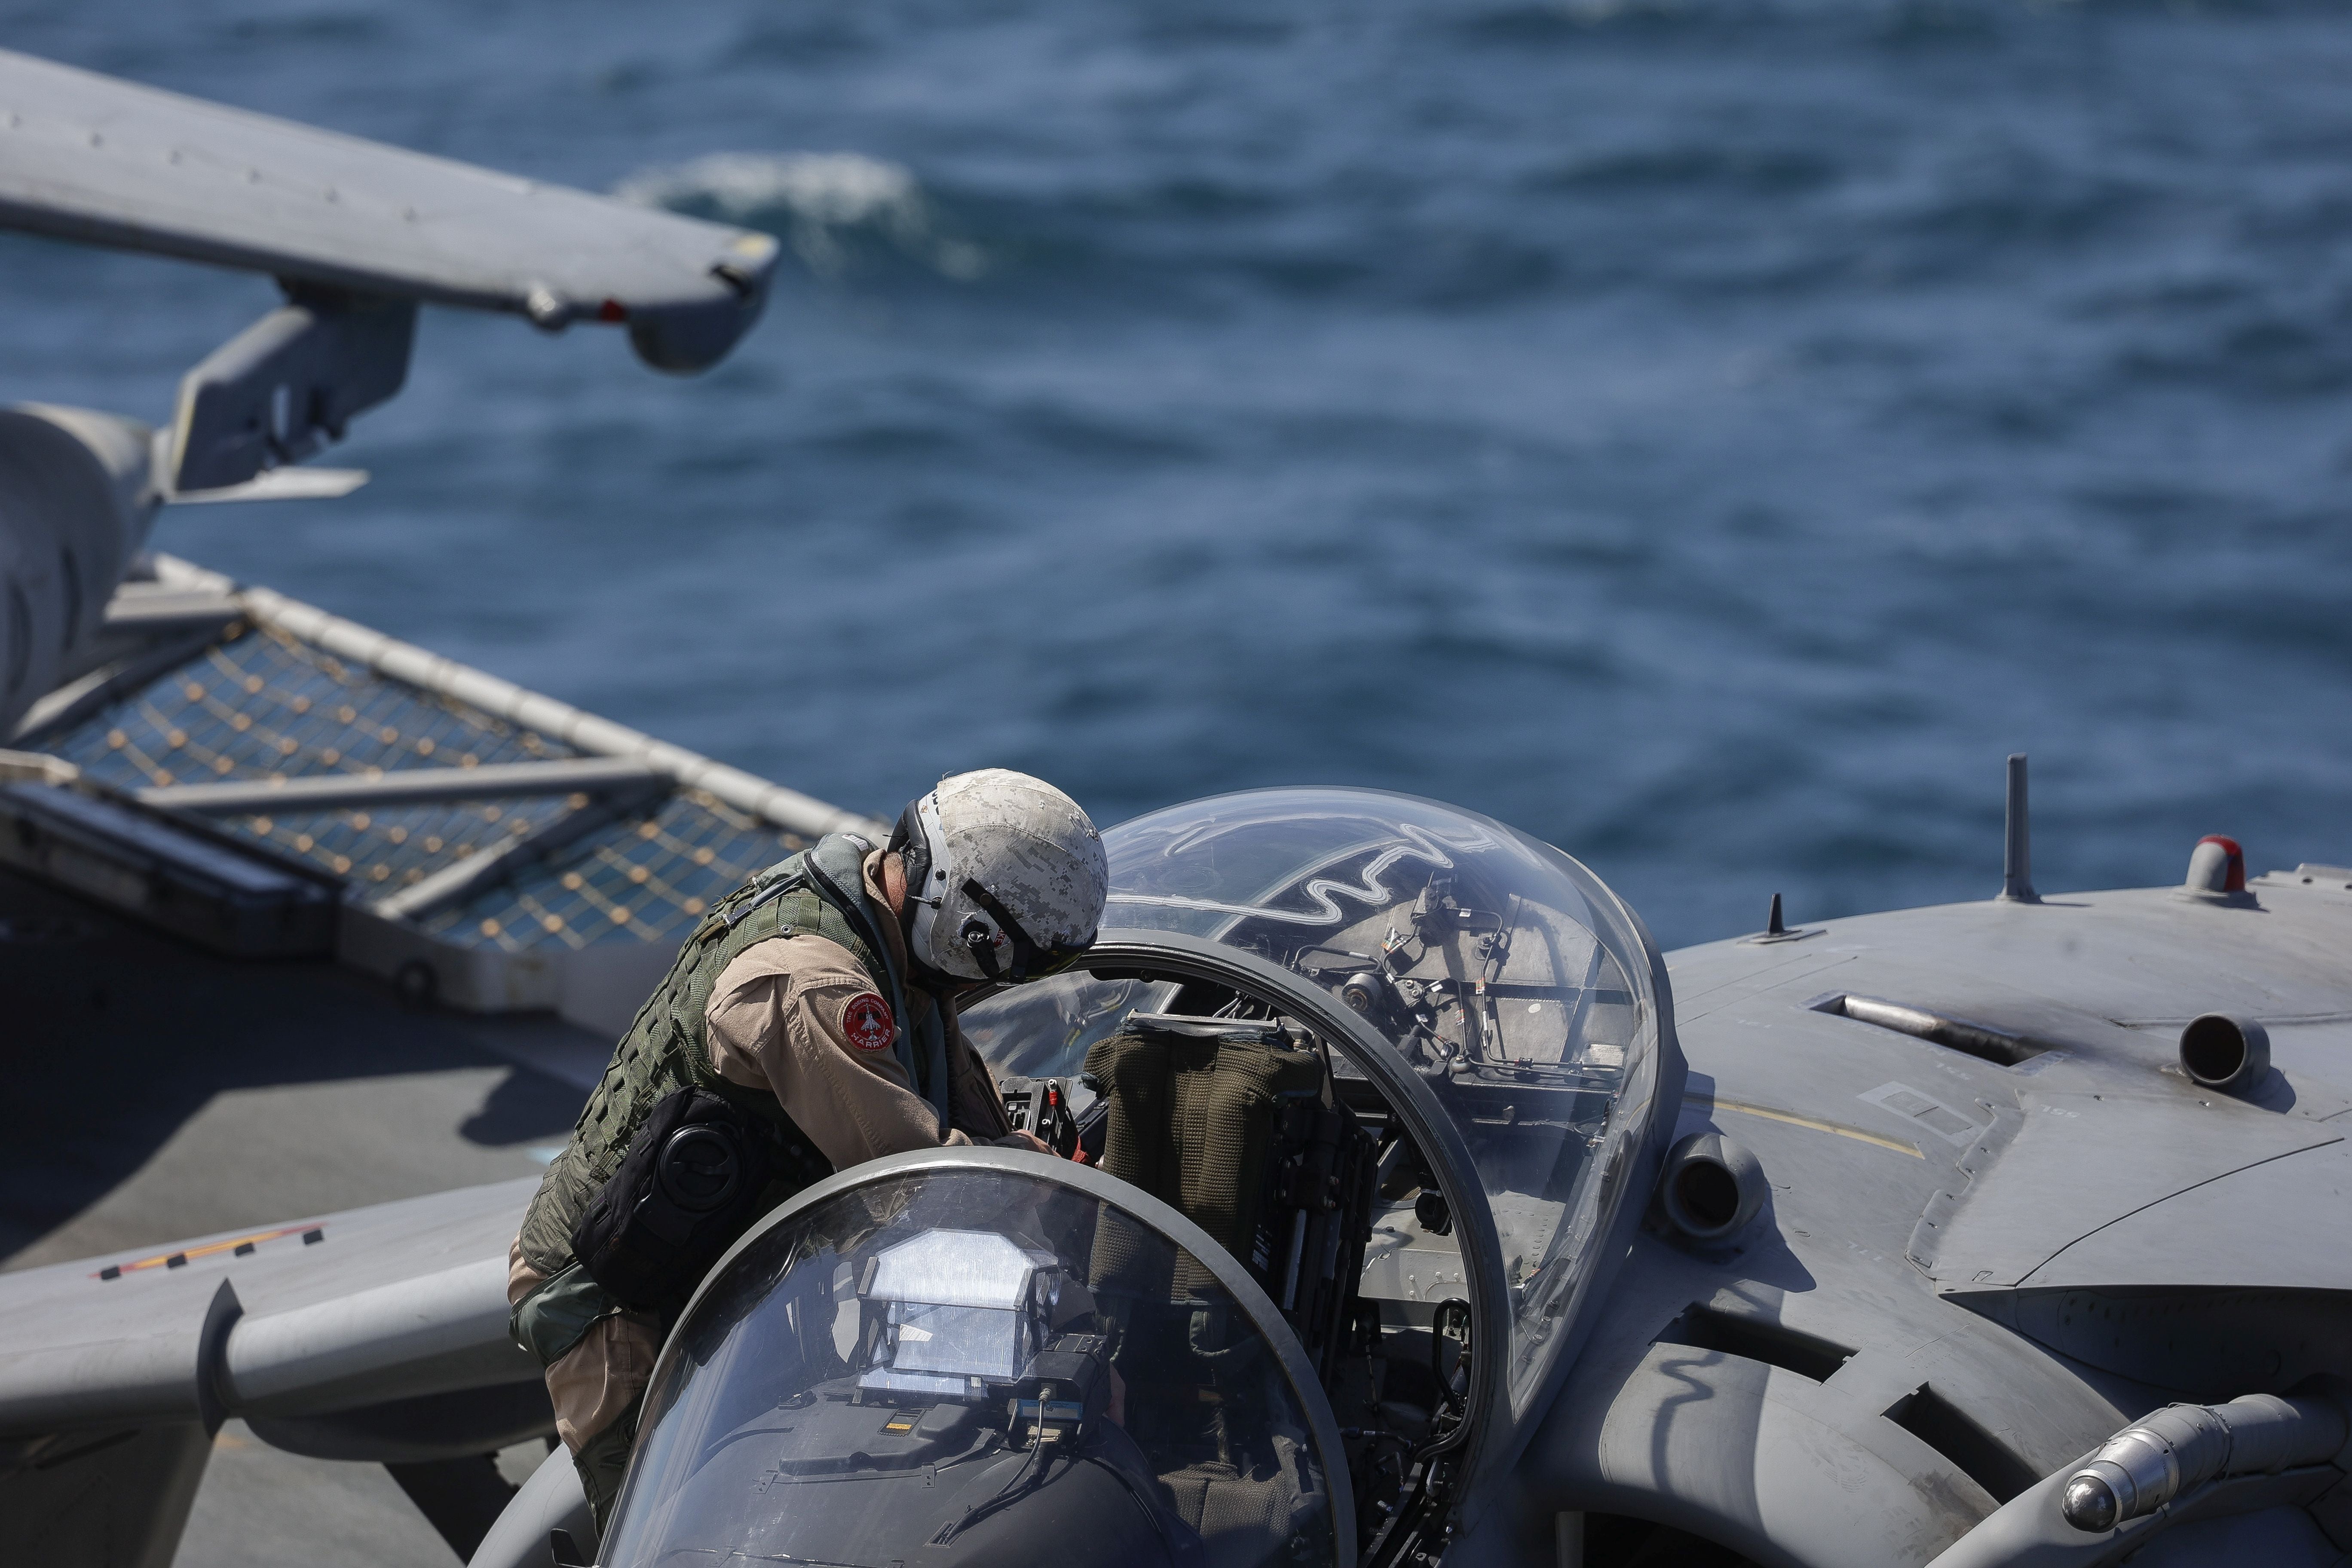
(1709, 433)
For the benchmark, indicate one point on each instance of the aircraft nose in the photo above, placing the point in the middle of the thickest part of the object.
(2090, 1504)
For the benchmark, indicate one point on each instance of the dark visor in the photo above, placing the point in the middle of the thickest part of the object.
(1030, 961)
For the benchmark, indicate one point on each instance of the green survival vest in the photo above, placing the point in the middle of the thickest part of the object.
(820, 892)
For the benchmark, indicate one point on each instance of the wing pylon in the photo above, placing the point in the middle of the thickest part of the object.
(359, 234)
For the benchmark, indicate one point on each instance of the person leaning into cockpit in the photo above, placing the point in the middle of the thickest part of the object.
(807, 1025)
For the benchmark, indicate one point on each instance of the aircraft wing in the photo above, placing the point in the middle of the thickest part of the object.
(1999, 1220)
(379, 1334)
(87, 157)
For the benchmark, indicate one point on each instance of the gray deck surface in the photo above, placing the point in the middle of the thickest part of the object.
(157, 1092)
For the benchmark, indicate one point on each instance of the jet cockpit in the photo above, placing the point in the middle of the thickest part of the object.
(1348, 1102)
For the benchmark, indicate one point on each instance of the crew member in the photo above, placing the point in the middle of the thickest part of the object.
(820, 994)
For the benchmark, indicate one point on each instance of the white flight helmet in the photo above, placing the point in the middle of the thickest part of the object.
(1005, 877)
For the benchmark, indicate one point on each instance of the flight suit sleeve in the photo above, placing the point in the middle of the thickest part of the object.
(594, 1382)
(781, 1018)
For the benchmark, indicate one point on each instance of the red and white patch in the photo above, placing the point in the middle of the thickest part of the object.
(865, 1020)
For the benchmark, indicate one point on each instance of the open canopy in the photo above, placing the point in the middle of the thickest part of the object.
(1490, 970)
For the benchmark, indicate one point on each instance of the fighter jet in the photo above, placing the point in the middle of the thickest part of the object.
(1409, 1205)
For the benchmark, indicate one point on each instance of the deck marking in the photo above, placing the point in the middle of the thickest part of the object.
(1856, 1133)
(242, 1245)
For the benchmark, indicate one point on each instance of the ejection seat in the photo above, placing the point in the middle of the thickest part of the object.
(1232, 1122)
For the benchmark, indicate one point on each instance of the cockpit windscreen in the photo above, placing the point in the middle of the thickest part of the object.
(940, 1364)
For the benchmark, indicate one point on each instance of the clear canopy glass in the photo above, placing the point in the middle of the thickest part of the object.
(1507, 977)
(970, 1366)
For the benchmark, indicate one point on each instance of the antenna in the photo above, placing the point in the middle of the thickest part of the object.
(2017, 841)
(1776, 928)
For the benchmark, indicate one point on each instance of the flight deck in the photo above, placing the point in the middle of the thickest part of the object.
(311, 986)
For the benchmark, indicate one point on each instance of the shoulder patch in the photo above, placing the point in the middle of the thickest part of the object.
(866, 1023)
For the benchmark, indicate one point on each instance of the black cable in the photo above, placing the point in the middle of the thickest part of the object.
(1008, 1494)
(1135, 1490)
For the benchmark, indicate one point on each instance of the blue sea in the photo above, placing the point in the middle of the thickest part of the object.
(1707, 434)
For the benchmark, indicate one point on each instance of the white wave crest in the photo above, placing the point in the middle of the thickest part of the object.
(808, 197)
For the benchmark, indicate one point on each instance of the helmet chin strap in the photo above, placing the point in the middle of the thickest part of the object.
(918, 973)
(923, 977)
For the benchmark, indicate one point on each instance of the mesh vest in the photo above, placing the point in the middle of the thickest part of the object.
(666, 1048)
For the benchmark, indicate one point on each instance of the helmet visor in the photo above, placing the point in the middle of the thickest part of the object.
(1031, 960)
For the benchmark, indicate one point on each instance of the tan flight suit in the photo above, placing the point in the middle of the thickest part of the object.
(775, 1022)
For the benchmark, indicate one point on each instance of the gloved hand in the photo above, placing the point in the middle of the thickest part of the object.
(1019, 1140)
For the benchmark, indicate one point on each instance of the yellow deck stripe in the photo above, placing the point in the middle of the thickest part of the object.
(231, 1245)
(1856, 1133)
